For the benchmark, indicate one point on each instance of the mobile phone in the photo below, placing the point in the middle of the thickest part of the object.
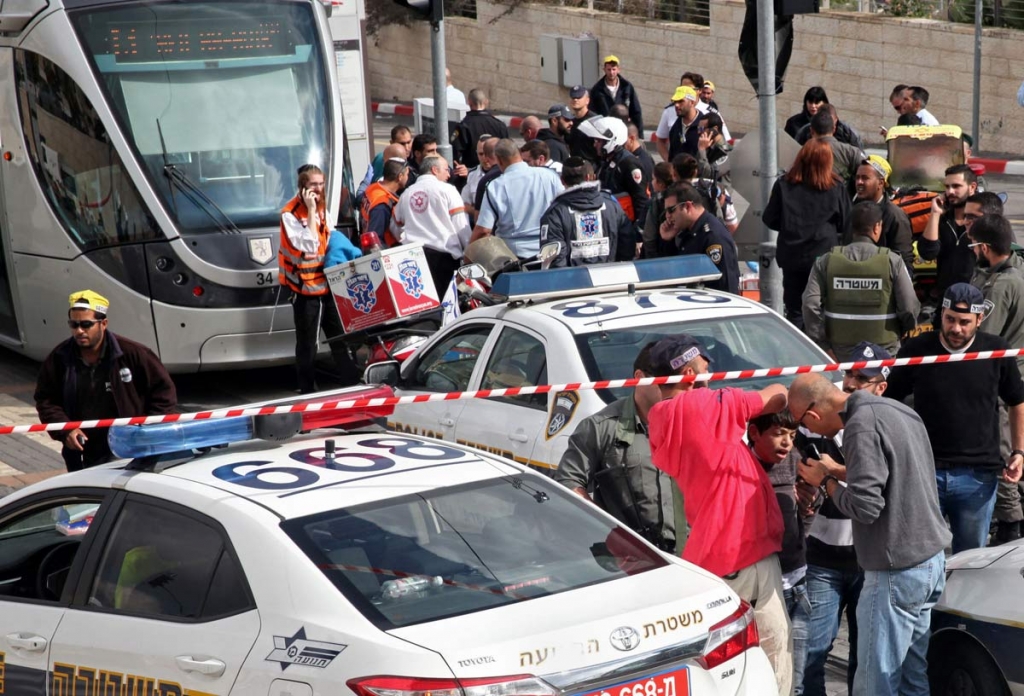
(810, 451)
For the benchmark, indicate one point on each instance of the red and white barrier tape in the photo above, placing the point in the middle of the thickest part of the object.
(340, 404)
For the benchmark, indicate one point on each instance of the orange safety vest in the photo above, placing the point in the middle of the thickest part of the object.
(302, 272)
(917, 206)
(376, 195)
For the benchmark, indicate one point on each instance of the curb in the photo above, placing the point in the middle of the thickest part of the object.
(992, 166)
(406, 110)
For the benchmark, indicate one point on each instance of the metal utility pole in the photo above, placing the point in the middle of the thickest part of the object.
(438, 62)
(770, 276)
(976, 101)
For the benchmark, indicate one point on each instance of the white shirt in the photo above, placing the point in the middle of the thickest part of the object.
(556, 167)
(472, 182)
(432, 212)
(455, 96)
(303, 238)
(927, 119)
(668, 119)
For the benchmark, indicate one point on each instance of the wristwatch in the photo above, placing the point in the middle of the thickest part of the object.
(1020, 452)
(824, 483)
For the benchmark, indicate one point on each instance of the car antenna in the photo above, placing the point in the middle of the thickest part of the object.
(329, 451)
(631, 289)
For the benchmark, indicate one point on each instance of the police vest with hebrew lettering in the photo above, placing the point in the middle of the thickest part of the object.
(859, 301)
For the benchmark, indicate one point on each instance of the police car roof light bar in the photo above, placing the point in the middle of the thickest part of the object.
(144, 441)
(606, 277)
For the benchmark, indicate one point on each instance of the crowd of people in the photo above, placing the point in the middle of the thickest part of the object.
(809, 500)
(581, 177)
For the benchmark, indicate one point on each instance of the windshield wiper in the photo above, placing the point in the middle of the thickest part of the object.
(192, 192)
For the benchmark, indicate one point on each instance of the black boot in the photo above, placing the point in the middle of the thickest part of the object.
(1007, 531)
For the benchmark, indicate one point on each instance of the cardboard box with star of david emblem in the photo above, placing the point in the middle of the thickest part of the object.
(382, 287)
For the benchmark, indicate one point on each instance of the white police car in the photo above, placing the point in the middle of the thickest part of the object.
(396, 566)
(576, 325)
(978, 624)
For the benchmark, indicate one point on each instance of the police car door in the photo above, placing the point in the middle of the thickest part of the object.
(446, 364)
(43, 544)
(163, 607)
(509, 426)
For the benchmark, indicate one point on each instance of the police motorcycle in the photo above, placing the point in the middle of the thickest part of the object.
(488, 259)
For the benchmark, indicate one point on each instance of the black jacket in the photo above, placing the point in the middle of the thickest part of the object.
(810, 222)
(844, 134)
(581, 145)
(708, 236)
(464, 137)
(684, 142)
(137, 380)
(581, 217)
(556, 146)
(622, 173)
(954, 259)
(602, 101)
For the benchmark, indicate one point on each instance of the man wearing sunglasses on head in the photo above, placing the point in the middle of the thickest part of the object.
(97, 374)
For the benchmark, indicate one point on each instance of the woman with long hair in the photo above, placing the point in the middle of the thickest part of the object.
(810, 208)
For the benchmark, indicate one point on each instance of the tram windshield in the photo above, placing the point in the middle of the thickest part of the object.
(222, 101)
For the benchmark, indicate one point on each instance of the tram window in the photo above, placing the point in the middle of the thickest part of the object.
(237, 100)
(78, 169)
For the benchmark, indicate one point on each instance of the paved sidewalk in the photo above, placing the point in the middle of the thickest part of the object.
(24, 459)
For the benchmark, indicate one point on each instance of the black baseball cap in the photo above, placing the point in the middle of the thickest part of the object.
(964, 293)
(559, 110)
(864, 351)
(577, 91)
(671, 353)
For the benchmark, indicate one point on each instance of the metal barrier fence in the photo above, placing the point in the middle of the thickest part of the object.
(687, 11)
(997, 13)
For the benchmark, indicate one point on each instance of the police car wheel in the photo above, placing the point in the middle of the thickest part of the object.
(962, 668)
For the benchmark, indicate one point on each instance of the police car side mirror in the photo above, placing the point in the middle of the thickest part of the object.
(472, 271)
(382, 373)
(549, 251)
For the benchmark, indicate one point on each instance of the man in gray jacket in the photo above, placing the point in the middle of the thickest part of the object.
(609, 461)
(898, 531)
(999, 275)
(860, 292)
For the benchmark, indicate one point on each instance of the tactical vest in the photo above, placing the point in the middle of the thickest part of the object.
(375, 195)
(859, 301)
(302, 273)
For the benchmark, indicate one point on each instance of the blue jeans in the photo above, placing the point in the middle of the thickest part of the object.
(894, 615)
(967, 496)
(830, 592)
(799, 607)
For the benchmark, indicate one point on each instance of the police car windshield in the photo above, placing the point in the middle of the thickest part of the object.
(734, 343)
(468, 548)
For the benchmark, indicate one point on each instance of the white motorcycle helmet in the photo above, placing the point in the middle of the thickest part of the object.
(607, 128)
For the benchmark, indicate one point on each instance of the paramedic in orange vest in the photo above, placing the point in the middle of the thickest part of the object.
(304, 235)
(380, 199)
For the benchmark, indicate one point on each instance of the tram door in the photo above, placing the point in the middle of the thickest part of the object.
(8, 317)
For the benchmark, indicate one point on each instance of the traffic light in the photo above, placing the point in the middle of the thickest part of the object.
(428, 9)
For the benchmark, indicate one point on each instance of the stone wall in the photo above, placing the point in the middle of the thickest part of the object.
(856, 57)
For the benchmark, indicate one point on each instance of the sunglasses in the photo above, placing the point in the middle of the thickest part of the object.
(800, 420)
(862, 378)
(85, 324)
(672, 208)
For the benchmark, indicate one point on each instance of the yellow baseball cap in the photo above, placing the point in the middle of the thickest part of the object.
(683, 92)
(611, 59)
(880, 165)
(709, 83)
(87, 299)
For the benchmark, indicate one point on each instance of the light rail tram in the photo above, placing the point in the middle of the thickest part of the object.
(147, 149)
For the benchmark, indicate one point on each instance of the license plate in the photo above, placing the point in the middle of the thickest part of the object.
(673, 683)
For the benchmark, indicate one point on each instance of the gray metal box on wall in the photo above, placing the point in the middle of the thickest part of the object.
(580, 61)
(551, 59)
